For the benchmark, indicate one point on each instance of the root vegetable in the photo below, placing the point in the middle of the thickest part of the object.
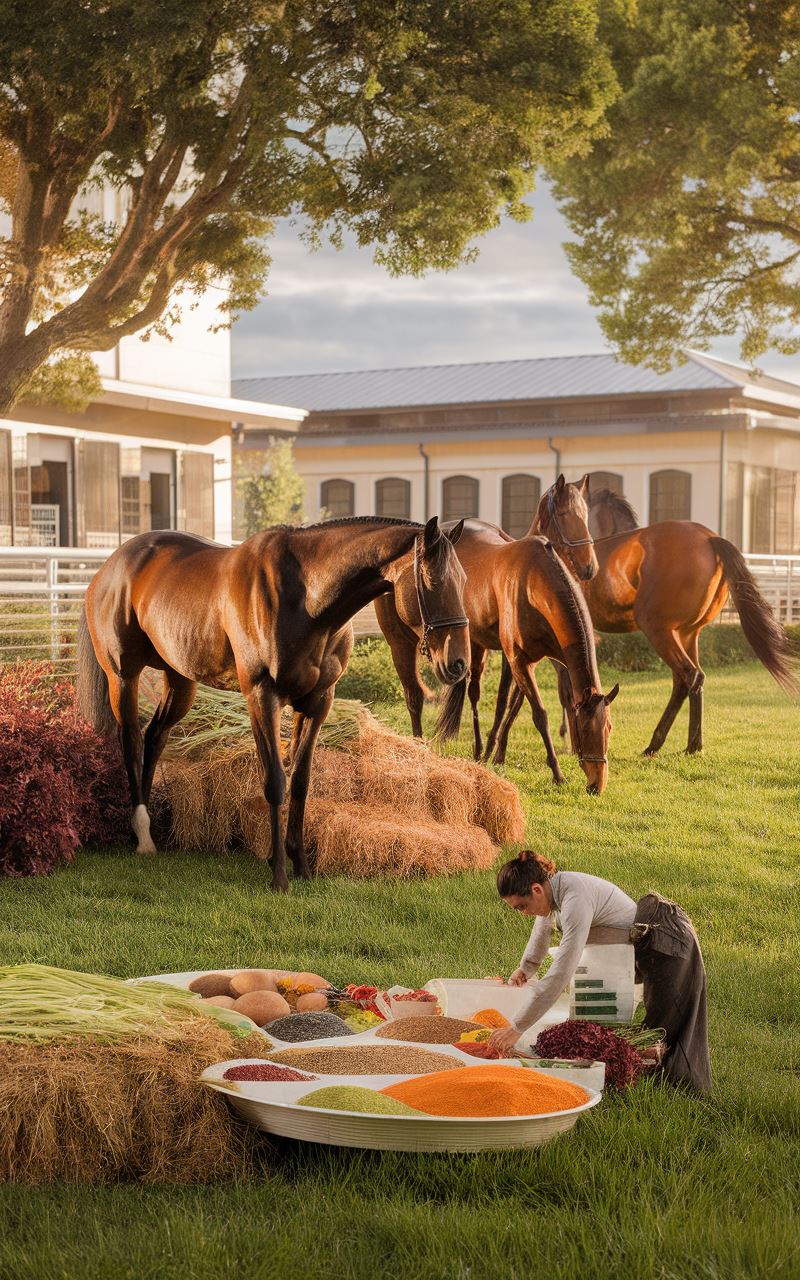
(311, 1002)
(310, 979)
(247, 980)
(212, 984)
(222, 1002)
(262, 1006)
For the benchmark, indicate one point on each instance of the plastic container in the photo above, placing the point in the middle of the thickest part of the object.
(462, 997)
(603, 986)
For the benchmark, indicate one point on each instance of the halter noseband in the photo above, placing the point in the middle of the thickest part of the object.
(430, 624)
(553, 518)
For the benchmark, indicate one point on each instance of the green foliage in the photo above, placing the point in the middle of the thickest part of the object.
(412, 125)
(687, 214)
(277, 495)
(71, 380)
(370, 674)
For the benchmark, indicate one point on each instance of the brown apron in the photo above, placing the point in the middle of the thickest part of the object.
(670, 964)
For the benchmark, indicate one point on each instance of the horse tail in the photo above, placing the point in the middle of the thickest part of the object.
(91, 690)
(765, 635)
(449, 721)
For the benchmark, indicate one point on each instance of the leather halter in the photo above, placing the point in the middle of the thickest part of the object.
(552, 516)
(430, 624)
(581, 756)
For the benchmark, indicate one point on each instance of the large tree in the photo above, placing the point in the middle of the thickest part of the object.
(412, 123)
(687, 214)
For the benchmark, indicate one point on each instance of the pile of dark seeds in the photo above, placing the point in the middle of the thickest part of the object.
(309, 1026)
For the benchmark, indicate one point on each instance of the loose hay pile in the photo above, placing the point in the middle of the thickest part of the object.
(380, 804)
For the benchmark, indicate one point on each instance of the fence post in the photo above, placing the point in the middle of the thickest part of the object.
(52, 592)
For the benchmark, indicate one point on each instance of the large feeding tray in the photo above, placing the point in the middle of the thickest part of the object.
(273, 1107)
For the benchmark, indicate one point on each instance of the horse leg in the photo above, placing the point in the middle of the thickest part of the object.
(565, 698)
(514, 707)
(523, 673)
(176, 699)
(124, 694)
(503, 690)
(477, 668)
(265, 717)
(298, 791)
(403, 647)
(695, 740)
(686, 679)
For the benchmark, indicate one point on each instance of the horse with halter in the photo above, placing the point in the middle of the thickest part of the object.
(519, 598)
(271, 616)
(669, 580)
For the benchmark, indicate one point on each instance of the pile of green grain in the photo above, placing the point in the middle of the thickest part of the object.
(352, 1097)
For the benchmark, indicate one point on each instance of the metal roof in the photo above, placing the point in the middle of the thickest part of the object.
(496, 381)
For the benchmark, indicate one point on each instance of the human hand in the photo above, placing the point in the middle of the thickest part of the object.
(518, 978)
(503, 1040)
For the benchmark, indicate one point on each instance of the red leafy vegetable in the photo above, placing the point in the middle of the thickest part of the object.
(588, 1040)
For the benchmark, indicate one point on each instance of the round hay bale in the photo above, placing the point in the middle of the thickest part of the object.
(81, 1111)
(365, 840)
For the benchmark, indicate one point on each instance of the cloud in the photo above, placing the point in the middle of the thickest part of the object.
(332, 310)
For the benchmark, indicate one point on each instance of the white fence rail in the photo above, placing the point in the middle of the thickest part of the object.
(42, 588)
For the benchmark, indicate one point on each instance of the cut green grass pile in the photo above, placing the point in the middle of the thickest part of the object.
(653, 1185)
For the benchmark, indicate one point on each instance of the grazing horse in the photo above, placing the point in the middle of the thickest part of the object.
(561, 515)
(271, 616)
(519, 598)
(669, 580)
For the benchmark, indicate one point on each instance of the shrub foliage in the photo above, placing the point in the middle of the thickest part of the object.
(63, 785)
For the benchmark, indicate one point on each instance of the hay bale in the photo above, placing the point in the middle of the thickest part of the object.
(81, 1111)
(366, 840)
(216, 802)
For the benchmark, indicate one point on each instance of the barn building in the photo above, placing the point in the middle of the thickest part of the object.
(707, 441)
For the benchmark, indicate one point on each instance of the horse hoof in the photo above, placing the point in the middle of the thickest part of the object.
(649, 752)
(147, 848)
(280, 886)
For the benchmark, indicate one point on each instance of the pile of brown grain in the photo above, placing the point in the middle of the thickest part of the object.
(381, 804)
(366, 1060)
(426, 1030)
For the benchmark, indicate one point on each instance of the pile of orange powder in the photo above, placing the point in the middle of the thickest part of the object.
(490, 1090)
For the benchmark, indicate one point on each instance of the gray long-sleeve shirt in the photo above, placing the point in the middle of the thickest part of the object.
(580, 903)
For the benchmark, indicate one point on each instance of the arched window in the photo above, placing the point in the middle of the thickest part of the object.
(521, 496)
(670, 496)
(459, 497)
(393, 497)
(604, 480)
(337, 498)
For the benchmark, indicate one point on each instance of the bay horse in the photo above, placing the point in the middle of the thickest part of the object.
(271, 616)
(669, 580)
(519, 598)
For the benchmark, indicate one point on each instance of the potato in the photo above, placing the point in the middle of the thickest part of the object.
(212, 984)
(222, 1002)
(247, 980)
(310, 979)
(262, 1006)
(313, 1001)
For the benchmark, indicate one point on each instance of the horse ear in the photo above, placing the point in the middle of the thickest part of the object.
(611, 695)
(432, 532)
(560, 482)
(584, 485)
(456, 532)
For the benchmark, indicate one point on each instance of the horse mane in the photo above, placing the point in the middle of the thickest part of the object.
(571, 598)
(349, 520)
(618, 504)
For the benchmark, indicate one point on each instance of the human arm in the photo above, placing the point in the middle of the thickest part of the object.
(576, 920)
(536, 950)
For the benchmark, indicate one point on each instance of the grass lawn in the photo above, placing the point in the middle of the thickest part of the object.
(654, 1185)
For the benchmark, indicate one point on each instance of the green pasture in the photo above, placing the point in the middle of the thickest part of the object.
(654, 1185)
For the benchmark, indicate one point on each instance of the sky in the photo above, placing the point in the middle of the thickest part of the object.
(333, 310)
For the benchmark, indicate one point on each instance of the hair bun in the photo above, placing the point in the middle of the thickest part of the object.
(526, 855)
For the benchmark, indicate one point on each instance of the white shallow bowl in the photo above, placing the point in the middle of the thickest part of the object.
(273, 1107)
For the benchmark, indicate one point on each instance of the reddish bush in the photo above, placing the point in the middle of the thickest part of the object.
(61, 784)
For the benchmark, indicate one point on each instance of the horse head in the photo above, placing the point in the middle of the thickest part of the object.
(590, 730)
(563, 518)
(439, 580)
